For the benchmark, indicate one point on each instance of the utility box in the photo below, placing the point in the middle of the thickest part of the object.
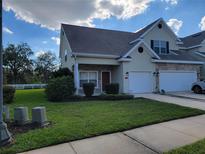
(39, 116)
(21, 115)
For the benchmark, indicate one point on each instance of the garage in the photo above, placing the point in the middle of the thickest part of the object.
(176, 80)
(140, 82)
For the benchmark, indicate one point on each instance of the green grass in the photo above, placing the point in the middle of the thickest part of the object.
(77, 120)
(195, 148)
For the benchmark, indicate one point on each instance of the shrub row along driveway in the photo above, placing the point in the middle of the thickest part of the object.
(77, 120)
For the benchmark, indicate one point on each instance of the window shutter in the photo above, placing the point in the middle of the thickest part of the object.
(152, 44)
(167, 47)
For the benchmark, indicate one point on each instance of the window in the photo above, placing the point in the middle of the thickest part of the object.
(66, 55)
(160, 47)
(87, 77)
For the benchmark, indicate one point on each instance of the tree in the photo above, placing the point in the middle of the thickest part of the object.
(16, 59)
(45, 65)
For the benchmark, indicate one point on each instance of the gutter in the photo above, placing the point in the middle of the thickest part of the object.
(177, 61)
(94, 55)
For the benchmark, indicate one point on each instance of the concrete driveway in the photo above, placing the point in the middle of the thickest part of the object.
(198, 102)
(188, 94)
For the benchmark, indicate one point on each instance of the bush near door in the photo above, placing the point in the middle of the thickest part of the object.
(88, 89)
(112, 88)
(59, 89)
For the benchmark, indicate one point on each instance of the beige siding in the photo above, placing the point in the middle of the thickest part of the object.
(140, 62)
(94, 60)
(161, 34)
(64, 45)
(117, 76)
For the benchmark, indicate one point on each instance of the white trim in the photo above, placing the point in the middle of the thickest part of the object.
(198, 53)
(177, 61)
(177, 71)
(101, 77)
(191, 47)
(160, 19)
(137, 45)
(124, 59)
(87, 71)
(94, 55)
(172, 52)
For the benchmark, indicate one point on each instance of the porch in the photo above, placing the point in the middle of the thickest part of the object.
(100, 75)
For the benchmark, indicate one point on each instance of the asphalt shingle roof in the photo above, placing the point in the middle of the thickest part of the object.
(101, 41)
(194, 39)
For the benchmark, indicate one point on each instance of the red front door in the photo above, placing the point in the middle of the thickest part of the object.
(105, 79)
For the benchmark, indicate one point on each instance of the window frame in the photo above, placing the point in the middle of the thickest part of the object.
(88, 71)
(160, 46)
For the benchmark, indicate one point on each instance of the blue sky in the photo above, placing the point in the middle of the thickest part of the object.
(38, 23)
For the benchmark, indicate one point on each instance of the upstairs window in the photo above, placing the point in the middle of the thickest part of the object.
(160, 47)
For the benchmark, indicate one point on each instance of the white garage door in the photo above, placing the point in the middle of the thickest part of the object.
(176, 80)
(140, 82)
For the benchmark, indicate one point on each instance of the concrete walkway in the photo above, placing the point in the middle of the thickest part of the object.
(199, 104)
(151, 139)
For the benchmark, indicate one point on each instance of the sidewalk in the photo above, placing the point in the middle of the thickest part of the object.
(151, 139)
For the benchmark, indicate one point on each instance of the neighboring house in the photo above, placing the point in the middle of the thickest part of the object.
(195, 44)
(145, 61)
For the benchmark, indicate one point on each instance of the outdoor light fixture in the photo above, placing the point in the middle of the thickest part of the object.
(5, 136)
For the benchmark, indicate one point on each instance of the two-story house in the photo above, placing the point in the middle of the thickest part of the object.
(149, 60)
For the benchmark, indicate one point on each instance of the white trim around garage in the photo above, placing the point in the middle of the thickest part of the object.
(177, 61)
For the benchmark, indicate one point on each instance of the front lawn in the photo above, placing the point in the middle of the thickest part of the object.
(77, 120)
(195, 148)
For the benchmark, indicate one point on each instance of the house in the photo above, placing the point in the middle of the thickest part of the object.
(148, 60)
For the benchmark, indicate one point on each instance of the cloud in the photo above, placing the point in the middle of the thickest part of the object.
(7, 30)
(44, 42)
(40, 52)
(175, 25)
(172, 2)
(51, 14)
(202, 23)
(56, 39)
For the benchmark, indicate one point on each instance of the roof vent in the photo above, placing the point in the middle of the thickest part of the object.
(159, 26)
(140, 49)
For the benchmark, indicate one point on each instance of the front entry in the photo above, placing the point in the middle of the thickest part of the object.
(105, 79)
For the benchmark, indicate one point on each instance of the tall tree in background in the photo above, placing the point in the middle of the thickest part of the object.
(45, 65)
(16, 60)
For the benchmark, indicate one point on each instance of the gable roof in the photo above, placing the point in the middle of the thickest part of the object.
(101, 41)
(194, 39)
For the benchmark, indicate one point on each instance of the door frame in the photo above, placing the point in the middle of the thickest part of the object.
(101, 77)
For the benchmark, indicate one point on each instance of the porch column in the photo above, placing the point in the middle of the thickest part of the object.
(76, 77)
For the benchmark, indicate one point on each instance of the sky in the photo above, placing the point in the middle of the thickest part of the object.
(38, 22)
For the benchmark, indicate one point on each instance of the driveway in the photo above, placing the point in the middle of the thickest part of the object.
(188, 94)
(198, 102)
(153, 139)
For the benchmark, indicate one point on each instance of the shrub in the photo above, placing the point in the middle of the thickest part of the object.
(116, 97)
(62, 72)
(8, 94)
(59, 89)
(112, 88)
(88, 89)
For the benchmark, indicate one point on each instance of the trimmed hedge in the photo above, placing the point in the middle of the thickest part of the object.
(8, 94)
(112, 88)
(100, 97)
(62, 72)
(116, 97)
(59, 89)
(88, 89)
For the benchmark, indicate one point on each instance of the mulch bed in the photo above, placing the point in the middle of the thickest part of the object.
(16, 129)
